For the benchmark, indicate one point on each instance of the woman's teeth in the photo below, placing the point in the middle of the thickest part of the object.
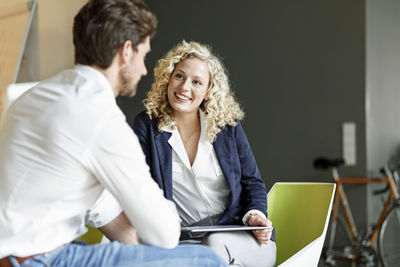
(182, 97)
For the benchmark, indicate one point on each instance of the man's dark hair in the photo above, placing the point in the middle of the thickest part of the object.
(102, 26)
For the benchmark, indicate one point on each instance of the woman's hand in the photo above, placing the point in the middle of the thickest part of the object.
(262, 235)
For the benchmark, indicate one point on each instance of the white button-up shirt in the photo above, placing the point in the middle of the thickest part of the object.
(199, 190)
(61, 144)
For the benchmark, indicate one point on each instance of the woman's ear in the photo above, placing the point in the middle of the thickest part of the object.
(206, 97)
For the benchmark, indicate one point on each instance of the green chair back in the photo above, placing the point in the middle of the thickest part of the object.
(92, 236)
(298, 212)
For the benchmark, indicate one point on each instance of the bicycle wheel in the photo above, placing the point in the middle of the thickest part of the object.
(342, 245)
(389, 238)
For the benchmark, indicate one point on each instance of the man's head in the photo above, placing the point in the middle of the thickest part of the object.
(131, 67)
(102, 26)
(115, 34)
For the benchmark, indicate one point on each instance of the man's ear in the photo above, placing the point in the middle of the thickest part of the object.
(125, 51)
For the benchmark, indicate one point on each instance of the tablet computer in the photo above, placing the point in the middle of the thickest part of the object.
(221, 228)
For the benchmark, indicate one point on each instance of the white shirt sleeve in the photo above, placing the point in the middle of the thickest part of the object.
(104, 210)
(117, 160)
(246, 216)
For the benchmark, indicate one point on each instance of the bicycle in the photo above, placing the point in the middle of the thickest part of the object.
(345, 246)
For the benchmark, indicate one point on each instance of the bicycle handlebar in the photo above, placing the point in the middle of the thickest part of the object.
(323, 163)
(381, 191)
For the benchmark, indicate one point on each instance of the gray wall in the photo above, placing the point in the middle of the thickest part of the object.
(383, 81)
(298, 69)
(383, 88)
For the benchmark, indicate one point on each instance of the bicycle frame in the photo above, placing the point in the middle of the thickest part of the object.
(341, 195)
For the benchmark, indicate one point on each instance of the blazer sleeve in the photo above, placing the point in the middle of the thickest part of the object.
(254, 194)
(142, 128)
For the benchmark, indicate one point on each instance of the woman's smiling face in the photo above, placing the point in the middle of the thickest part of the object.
(188, 85)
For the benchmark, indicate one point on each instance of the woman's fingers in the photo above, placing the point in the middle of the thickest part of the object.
(263, 236)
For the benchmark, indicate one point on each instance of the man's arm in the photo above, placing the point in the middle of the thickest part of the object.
(106, 214)
(120, 229)
(116, 159)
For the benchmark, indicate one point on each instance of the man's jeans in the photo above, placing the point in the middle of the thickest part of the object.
(119, 254)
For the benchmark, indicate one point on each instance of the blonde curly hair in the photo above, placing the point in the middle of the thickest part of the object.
(220, 109)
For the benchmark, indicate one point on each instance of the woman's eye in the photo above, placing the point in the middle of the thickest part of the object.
(197, 82)
(179, 76)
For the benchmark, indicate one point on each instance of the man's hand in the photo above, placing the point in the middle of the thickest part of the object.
(263, 235)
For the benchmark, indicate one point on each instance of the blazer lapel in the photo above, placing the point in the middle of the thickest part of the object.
(223, 150)
(164, 152)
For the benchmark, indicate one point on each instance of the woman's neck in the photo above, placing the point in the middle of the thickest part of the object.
(187, 120)
(189, 129)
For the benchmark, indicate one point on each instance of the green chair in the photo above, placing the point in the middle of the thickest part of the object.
(92, 236)
(300, 215)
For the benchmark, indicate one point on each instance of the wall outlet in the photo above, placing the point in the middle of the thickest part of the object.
(349, 143)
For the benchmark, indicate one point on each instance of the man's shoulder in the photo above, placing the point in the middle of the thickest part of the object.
(74, 97)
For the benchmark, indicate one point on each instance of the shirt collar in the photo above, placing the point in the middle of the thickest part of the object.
(95, 75)
(169, 127)
(203, 124)
(204, 146)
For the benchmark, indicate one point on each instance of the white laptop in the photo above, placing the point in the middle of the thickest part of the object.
(221, 228)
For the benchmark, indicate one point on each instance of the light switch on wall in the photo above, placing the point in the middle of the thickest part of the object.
(349, 143)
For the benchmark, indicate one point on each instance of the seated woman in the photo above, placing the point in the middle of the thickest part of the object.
(199, 155)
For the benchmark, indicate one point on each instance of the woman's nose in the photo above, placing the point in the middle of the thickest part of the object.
(185, 85)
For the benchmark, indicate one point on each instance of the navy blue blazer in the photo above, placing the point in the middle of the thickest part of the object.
(247, 189)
